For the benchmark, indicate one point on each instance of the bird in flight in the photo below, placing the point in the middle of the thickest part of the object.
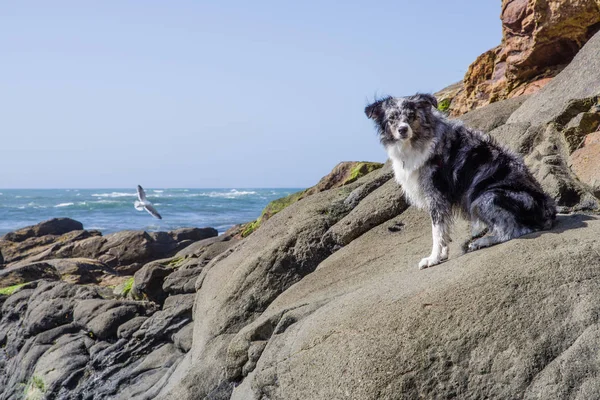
(144, 204)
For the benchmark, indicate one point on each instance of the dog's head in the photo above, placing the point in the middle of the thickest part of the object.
(402, 118)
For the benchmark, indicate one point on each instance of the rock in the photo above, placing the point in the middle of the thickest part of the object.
(382, 204)
(194, 258)
(103, 317)
(127, 329)
(28, 273)
(566, 95)
(578, 128)
(393, 331)
(148, 281)
(539, 39)
(128, 251)
(494, 115)
(183, 338)
(67, 356)
(32, 321)
(180, 300)
(52, 304)
(81, 270)
(39, 248)
(342, 174)
(447, 95)
(125, 252)
(193, 234)
(234, 287)
(55, 226)
(584, 162)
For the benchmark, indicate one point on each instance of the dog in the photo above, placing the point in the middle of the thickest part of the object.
(446, 168)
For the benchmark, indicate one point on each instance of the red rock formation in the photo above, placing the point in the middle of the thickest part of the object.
(539, 38)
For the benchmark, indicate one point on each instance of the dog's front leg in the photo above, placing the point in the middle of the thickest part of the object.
(441, 236)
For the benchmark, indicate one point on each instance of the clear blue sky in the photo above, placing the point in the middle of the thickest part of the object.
(215, 94)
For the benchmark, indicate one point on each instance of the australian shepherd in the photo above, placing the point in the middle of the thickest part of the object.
(444, 167)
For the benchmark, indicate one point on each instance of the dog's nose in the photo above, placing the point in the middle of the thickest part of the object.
(403, 130)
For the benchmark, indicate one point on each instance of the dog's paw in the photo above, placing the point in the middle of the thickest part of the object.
(429, 262)
(481, 243)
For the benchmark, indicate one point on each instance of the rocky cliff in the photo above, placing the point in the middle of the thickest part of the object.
(539, 38)
(324, 300)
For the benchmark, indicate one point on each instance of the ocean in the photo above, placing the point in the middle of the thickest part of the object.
(112, 210)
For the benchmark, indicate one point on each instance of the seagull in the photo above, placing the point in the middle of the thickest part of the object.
(144, 204)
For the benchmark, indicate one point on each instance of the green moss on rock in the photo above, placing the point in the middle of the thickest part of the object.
(271, 209)
(7, 291)
(124, 289)
(35, 389)
(176, 262)
(360, 170)
(444, 105)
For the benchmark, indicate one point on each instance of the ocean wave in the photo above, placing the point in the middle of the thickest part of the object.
(158, 191)
(232, 194)
(114, 194)
(64, 205)
(34, 205)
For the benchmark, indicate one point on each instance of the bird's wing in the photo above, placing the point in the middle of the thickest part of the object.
(150, 208)
(141, 194)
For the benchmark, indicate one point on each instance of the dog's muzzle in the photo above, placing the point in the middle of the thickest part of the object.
(403, 131)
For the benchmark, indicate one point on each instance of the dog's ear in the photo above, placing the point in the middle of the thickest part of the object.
(373, 111)
(425, 99)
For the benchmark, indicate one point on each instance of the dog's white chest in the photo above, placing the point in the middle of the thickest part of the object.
(406, 171)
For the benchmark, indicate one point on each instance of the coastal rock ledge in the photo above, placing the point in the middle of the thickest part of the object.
(324, 300)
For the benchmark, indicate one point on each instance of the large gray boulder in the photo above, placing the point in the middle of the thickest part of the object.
(474, 327)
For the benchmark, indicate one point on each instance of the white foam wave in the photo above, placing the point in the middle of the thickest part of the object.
(64, 205)
(158, 191)
(232, 194)
(114, 194)
(33, 205)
